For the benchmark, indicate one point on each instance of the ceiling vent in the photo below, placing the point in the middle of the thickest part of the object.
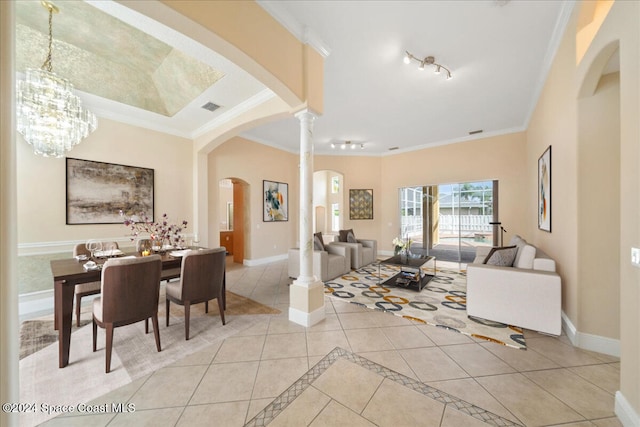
(473, 132)
(210, 106)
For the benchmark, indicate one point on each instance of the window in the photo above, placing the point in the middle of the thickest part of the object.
(335, 217)
(335, 184)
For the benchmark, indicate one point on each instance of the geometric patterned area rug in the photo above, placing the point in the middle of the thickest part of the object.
(442, 302)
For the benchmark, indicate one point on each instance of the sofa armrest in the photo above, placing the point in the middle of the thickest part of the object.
(527, 298)
(343, 251)
(370, 243)
(544, 264)
(319, 260)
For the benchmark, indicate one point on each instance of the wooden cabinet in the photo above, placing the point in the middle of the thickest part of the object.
(226, 240)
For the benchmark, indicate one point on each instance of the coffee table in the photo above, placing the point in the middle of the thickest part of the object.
(411, 275)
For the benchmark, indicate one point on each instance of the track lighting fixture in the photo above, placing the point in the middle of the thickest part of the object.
(347, 144)
(429, 60)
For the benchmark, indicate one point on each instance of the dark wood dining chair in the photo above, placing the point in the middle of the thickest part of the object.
(130, 293)
(202, 279)
(91, 288)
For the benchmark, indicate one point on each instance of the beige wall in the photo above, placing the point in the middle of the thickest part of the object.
(42, 184)
(252, 163)
(559, 115)
(500, 157)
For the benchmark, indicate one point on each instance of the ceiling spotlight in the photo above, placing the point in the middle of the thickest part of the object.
(429, 60)
(347, 144)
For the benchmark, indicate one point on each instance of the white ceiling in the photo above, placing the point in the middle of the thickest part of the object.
(498, 52)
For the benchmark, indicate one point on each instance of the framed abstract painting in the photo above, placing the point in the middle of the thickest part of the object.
(97, 191)
(544, 191)
(360, 204)
(276, 201)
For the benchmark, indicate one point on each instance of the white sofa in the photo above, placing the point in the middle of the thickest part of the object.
(527, 294)
(334, 261)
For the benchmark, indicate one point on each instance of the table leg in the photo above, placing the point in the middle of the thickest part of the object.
(63, 301)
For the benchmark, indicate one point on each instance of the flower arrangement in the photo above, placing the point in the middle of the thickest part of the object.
(161, 231)
(401, 245)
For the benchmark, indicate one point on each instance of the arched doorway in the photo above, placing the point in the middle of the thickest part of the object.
(233, 205)
(599, 195)
(328, 201)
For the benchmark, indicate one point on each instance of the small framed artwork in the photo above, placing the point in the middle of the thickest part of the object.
(98, 191)
(544, 191)
(276, 201)
(360, 204)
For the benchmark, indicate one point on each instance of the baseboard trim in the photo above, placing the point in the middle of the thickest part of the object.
(590, 342)
(625, 412)
(306, 319)
(261, 261)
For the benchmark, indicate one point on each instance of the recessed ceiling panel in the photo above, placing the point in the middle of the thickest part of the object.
(104, 56)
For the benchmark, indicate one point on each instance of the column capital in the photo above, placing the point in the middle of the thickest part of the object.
(306, 114)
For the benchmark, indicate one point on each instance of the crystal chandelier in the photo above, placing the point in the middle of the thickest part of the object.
(50, 116)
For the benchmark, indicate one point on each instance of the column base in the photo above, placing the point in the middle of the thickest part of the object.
(306, 305)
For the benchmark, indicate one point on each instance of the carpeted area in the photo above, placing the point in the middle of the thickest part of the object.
(441, 303)
(134, 352)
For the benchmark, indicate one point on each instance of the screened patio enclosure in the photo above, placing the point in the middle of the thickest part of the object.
(449, 221)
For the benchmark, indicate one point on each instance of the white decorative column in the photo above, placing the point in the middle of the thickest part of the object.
(306, 294)
(9, 324)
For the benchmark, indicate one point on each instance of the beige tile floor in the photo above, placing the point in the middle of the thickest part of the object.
(389, 372)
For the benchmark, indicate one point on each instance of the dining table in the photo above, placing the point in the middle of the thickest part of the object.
(67, 273)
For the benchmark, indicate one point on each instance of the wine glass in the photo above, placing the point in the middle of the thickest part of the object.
(93, 246)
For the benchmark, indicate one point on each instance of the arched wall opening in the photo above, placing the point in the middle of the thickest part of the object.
(599, 195)
(233, 208)
(328, 201)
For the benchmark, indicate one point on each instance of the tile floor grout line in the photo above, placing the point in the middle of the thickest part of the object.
(281, 402)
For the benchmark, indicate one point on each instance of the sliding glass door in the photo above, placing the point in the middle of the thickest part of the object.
(449, 220)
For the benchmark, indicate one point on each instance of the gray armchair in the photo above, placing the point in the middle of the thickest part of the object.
(363, 251)
(334, 261)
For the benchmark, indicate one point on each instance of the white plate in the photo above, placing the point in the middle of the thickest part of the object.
(178, 254)
(109, 253)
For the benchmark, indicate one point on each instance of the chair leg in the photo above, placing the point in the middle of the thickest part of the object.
(95, 333)
(187, 311)
(78, 301)
(156, 330)
(221, 308)
(146, 326)
(167, 312)
(109, 346)
(206, 306)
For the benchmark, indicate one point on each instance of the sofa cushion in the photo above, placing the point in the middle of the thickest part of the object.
(347, 236)
(502, 257)
(318, 243)
(525, 256)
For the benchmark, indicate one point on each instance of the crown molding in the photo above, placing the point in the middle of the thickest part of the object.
(302, 32)
(554, 44)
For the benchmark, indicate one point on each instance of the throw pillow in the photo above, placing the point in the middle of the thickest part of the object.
(351, 238)
(318, 243)
(502, 257)
(343, 235)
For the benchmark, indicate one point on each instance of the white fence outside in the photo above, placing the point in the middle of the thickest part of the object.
(450, 224)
